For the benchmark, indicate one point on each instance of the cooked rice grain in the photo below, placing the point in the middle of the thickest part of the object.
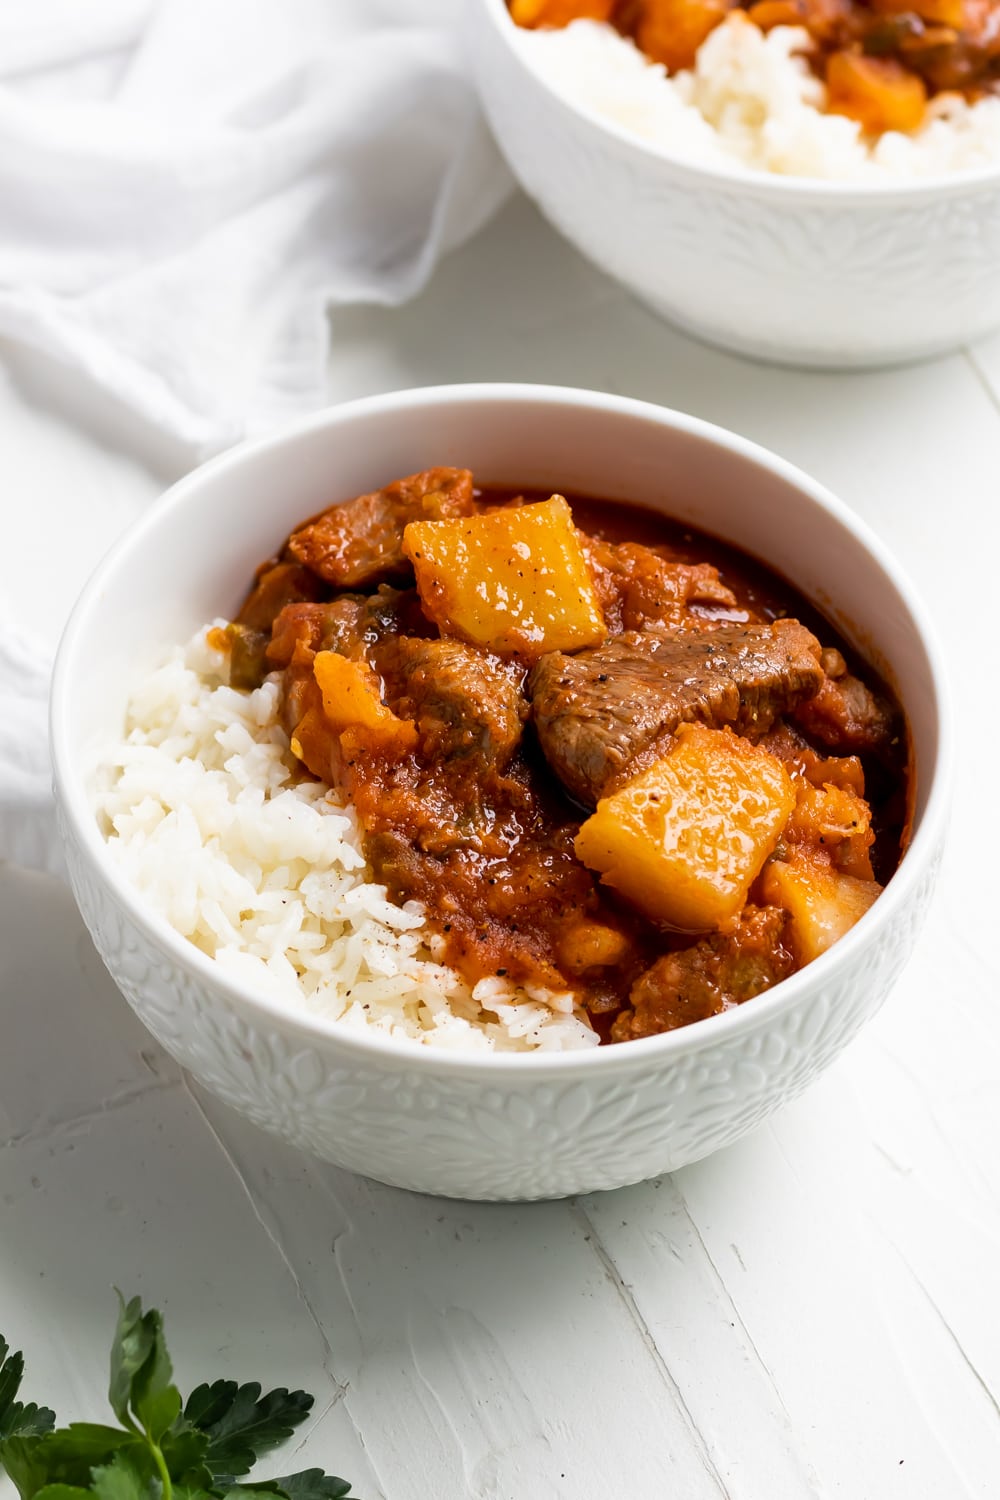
(752, 102)
(266, 874)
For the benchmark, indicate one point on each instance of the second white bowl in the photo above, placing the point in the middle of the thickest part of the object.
(786, 269)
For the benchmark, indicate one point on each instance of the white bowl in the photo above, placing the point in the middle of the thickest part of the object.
(795, 270)
(484, 1126)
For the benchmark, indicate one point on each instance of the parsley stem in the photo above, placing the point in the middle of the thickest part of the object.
(161, 1465)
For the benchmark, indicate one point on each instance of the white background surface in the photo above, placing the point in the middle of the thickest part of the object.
(813, 1313)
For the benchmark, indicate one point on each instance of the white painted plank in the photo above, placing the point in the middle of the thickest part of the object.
(878, 1337)
(79, 1049)
(489, 1353)
(816, 1300)
(984, 356)
(113, 1178)
(493, 1351)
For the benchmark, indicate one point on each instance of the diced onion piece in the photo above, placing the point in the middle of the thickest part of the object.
(822, 903)
(513, 581)
(686, 839)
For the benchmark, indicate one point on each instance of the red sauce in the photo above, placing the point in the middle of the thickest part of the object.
(485, 841)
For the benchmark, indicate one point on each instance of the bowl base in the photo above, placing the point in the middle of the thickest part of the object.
(831, 362)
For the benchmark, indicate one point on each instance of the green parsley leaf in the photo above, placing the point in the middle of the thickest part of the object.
(156, 1401)
(313, 1484)
(141, 1390)
(184, 1450)
(160, 1451)
(18, 1417)
(130, 1349)
(307, 1484)
(131, 1475)
(64, 1492)
(65, 1456)
(241, 1424)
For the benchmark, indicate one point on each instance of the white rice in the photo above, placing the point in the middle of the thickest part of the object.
(266, 873)
(751, 101)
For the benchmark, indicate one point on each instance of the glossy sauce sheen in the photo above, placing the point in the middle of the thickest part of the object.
(764, 592)
(490, 853)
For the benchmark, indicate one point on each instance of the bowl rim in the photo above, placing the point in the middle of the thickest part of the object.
(80, 823)
(772, 186)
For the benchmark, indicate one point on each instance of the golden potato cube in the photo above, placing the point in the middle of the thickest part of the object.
(686, 839)
(879, 92)
(822, 903)
(514, 581)
(559, 12)
(671, 31)
(351, 700)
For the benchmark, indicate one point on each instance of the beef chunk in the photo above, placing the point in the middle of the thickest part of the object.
(711, 976)
(360, 543)
(847, 717)
(637, 587)
(599, 712)
(277, 584)
(467, 707)
(353, 625)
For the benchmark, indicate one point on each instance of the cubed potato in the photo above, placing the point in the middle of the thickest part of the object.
(671, 31)
(822, 902)
(770, 13)
(514, 581)
(878, 92)
(352, 701)
(559, 12)
(686, 839)
(940, 12)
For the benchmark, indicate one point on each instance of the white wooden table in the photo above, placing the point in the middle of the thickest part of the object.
(813, 1313)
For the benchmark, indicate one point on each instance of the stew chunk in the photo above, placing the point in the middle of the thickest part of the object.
(597, 712)
(361, 543)
(823, 903)
(617, 774)
(467, 710)
(711, 976)
(513, 581)
(685, 840)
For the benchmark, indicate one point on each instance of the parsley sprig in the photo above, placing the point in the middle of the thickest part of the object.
(163, 1448)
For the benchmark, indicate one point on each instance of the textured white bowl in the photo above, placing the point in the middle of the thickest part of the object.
(507, 1126)
(787, 269)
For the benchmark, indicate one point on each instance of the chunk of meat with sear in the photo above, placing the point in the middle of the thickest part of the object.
(709, 977)
(600, 713)
(847, 717)
(638, 587)
(467, 706)
(277, 584)
(360, 543)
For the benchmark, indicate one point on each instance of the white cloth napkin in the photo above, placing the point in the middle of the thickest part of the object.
(186, 186)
